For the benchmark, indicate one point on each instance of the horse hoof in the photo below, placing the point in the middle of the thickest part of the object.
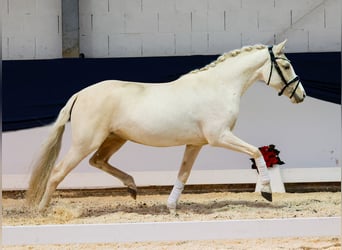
(267, 196)
(173, 212)
(172, 206)
(42, 209)
(133, 193)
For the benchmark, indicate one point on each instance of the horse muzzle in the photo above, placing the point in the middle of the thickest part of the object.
(298, 98)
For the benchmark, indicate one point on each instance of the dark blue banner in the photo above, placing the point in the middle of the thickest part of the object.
(35, 90)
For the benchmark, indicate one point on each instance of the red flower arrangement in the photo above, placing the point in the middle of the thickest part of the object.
(270, 154)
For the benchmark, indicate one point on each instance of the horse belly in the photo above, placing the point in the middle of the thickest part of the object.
(161, 132)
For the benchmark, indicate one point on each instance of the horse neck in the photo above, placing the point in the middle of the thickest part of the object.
(241, 71)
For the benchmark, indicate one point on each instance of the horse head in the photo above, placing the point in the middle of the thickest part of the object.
(280, 74)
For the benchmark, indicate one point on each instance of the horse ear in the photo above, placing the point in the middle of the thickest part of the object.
(280, 47)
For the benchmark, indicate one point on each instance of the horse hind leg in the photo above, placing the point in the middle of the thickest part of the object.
(100, 160)
(73, 157)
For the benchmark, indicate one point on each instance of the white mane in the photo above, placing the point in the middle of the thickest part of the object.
(228, 55)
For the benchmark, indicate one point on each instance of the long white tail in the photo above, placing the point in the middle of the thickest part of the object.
(48, 155)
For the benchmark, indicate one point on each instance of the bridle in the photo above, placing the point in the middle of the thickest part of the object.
(276, 66)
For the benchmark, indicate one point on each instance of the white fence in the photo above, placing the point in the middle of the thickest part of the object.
(171, 231)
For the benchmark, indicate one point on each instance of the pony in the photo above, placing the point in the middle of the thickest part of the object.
(199, 108)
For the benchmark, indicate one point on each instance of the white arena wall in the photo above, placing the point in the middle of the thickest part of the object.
(308, 135)
(134, 28)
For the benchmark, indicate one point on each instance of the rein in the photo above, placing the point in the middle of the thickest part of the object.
(276, 66)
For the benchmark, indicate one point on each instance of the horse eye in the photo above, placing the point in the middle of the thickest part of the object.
(287, 66)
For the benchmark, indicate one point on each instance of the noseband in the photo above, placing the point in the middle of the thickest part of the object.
(276, 66)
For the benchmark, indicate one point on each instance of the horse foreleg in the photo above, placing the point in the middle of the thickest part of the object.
(228, 140)
(100, 160)
(190, 155)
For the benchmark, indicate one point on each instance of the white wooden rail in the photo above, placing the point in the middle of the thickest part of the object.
(171, 231)
(165, 178)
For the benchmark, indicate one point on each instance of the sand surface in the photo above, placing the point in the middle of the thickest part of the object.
(74, 207)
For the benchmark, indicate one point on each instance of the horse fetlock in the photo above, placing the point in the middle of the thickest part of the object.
(171, 204)
(133, 192)
(42, 207)
(129, 182)
(266, 187)
(132, 188)
(175, 195)
(256, 153)
(172, 201)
